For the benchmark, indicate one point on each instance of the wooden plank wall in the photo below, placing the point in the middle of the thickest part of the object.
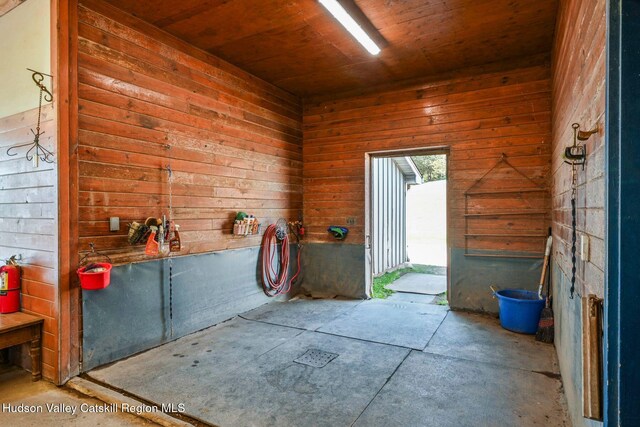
(479, 117)
(28, 212)
(579, 91)
(147, 100)
(578, 95)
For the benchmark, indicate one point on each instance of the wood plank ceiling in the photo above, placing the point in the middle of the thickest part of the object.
(298, 46)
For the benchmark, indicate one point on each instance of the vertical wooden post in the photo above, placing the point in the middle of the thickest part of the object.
(64, 56)
(35, 351)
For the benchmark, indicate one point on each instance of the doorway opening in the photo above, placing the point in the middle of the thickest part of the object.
(407, 240)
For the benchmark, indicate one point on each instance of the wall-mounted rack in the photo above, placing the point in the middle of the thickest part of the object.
(246, 225)
(531, 219)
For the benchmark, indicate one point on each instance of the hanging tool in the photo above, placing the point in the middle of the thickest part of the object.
(545, 331)
(547, 253)
(576, 155)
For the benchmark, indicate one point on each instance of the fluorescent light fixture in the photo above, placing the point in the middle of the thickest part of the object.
(351, 25)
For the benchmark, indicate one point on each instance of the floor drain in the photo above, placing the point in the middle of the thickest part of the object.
(316, 358)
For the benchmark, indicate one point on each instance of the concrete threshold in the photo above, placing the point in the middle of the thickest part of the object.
(114, 397)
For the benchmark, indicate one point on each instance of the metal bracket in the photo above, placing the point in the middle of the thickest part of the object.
(576, 154)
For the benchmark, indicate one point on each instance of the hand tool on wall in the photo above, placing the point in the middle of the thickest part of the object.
(547, 252)
(545, 331)
(576, 155)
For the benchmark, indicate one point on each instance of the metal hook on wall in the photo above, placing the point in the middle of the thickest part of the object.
(38, 77)
(91, 253)
(584, 135)
(36, 152)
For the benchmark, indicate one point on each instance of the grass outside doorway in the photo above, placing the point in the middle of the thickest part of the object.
(380, 283)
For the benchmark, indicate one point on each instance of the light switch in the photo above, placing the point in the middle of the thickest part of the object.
(114, 223)
(584, 247)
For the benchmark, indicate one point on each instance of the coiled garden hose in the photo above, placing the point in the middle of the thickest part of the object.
(274, 278)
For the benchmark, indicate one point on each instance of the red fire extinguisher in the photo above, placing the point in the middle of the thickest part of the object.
(10, 287)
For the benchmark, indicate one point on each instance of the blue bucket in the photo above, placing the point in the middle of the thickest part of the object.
(520, 310)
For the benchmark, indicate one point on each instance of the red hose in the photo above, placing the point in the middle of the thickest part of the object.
(274, 279)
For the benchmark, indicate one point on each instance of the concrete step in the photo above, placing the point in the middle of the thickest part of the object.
(107, 395)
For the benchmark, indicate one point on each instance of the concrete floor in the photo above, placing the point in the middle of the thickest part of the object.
(419, 283)
(16, 389)
(400, 362)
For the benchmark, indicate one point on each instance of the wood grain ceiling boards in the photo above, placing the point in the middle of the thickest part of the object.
(299, 47)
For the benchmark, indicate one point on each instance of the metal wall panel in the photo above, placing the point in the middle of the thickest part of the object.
(142, 308)
(388, 210)
(334, 269)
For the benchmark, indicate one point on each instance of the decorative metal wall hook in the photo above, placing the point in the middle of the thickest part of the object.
(38, 77)
(36, 152)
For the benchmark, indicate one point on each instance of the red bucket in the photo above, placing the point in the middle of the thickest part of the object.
(96, 280)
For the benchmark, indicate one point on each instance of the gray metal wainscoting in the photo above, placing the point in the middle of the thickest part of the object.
(142, 308)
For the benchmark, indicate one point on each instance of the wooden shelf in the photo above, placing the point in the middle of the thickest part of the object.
(526, 190)
(517, 213)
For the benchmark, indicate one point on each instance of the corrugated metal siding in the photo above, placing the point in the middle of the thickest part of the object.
(388, 208)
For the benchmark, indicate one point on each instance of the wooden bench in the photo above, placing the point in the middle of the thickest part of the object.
(19, 328)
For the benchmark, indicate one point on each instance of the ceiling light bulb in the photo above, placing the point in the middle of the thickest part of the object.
(351, 25)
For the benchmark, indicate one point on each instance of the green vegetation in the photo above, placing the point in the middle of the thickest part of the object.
(380, 283)
(441, 299)
(380, 291)
(432, 168)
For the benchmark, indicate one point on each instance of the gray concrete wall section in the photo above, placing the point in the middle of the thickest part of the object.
(204, 290)
(568, 341)
(472, 276)
(334, 269)
(338, 269)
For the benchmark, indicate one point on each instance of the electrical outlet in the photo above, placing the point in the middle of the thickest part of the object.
(584, 247)
(351, 220)
(114, 223)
